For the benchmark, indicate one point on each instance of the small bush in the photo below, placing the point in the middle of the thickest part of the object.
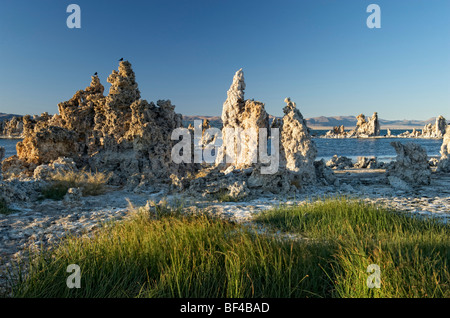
(89, 182)
(224, 196)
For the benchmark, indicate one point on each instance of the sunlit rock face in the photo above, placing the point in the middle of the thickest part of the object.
(12, 128)
(444, 162)
(241, 118)
(411, 165)
(119, 132)
(298, 150)
(2, 154)
(365, 127)
(435, 131)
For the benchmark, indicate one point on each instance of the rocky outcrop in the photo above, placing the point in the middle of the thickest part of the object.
(293, 167)
(2, 154)
(297, 154)
(298, 150)
(444, 162)
(434, 131)
(118, 133)
(411, 166)
(339, 162)
(336, 132)
(239, 115)
(368, 163)
(12, 128)
(324, 174)
(365, 127)
(60, 165)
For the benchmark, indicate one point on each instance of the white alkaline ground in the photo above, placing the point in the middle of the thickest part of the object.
(39, 224)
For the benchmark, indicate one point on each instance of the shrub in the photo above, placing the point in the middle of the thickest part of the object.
(89, 182)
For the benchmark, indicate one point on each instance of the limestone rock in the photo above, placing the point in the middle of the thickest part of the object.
(339, 162)
(12, 128)
(73, 195)
(444, 162)
(336, 132)
(411, 164)
(2, 154)
(325, 174)
(48, 144)
(118, 133)
(434, 131)
(399, 184)
(25, 189)
(238, 190)
(278, 182)
(60, 165)
(298, 150)
(239, 115)
(367, 127)
(368, 163)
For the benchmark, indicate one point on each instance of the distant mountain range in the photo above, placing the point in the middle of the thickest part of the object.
(4, 116)
(317, 123)
(323, 122)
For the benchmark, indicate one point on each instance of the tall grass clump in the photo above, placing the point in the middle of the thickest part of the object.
(413, 253)
(161, 252)
(91, 183)
(176, 255)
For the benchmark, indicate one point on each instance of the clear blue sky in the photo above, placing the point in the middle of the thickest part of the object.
(320, 53)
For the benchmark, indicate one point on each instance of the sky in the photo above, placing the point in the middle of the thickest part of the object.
(319, 53)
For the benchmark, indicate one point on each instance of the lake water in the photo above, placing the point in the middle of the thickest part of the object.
(377, 147)
(327, 147)
(9, 145)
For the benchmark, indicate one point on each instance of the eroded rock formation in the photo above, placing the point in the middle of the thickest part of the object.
(339, 162)
(365, 127)
(434, 131)
(239, 115)
(12, 128)
(296, 168)
(118, 133)
(411, 166)
(368, 163)
(250, 173)
(298, 151)
(444, 162)
(2, 154)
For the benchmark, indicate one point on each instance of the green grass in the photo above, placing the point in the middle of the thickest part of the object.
(413, 254)
(165, 253)
(224, 196)
(91, 183)
(173, 255)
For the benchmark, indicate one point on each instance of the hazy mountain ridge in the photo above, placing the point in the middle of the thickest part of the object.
(324, 122)
(4, 116)
(321, 122)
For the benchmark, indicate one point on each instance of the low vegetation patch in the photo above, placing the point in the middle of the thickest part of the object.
(224, 196)
(91, 183)
(4, 209)
(413, 253)
(161, 252)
